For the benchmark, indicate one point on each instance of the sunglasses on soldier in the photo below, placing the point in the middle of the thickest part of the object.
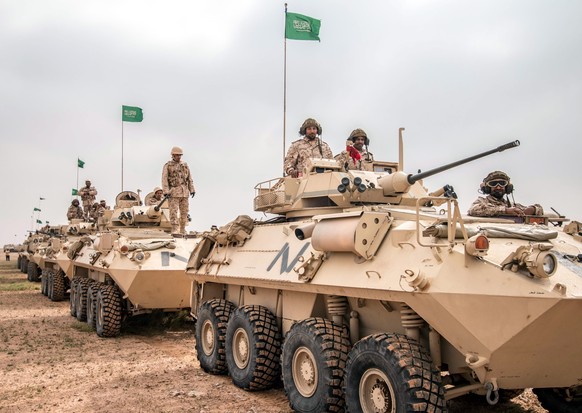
(497, 182)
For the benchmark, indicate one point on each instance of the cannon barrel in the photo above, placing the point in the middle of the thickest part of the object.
(413, 178)
(159, 205)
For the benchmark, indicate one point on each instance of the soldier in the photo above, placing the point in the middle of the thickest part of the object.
(75, 211)
(157, 197)
(495, 186)
(356, 155)
(103, 205)
(87, 194)
(177, 183)
(310, 146)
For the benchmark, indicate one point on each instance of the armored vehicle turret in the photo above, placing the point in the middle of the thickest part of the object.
(373, 294)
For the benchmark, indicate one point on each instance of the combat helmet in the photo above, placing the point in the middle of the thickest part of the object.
(486, 189)
(309, 122)
(357, 133)
(176, 150)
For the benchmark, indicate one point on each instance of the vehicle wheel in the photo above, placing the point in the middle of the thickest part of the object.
(81, 299)
(313, 362)
(24, 265)
(58, 286)
(72, 298)
(44, 282)
(18, 260)
(392, 373)
(31, 271)
(253, 347)
(108, 311)
(91, 304)
(50, 279)
(213, 316)
(560, 400)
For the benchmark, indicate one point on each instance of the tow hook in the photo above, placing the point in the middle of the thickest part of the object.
(492, 396)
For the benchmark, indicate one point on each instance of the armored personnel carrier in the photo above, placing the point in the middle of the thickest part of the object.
(372, 294)
(133, 266)
(28, 259)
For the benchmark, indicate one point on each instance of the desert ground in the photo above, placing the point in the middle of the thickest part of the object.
(50, 362)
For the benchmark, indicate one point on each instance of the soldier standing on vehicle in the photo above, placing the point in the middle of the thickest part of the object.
(356, 155)
(177, 183)
(74, 211)
(496, 185)
(310, 146)
(157, 197)
(87, 194)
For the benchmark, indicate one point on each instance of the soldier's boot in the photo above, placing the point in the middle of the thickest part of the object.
(182, 229)
(175, 229)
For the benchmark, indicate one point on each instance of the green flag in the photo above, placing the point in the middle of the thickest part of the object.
(300, 27)
(46, 222)
(38, 221)
(80, 163)
(131, 114)
(74, 192)
(37, 209)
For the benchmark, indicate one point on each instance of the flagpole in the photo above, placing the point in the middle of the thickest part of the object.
(122, 149)
(284, 87)
(77, 186)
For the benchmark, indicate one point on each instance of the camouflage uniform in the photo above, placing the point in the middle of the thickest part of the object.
(303, 149)
(74, 212)
(153, 201)
(490, 206)
(87, 195)
(363, 164)
(177, 182)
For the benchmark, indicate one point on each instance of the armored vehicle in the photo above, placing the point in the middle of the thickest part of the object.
(133, 266)
(56, 265)
(28, 258)
(372, 294)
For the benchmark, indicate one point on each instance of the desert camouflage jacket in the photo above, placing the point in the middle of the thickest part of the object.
(177, 180)
(75, 212)
(490, 206)
(363, 164)
(87, 194)
(303, 149)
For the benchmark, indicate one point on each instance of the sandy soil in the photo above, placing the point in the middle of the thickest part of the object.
(50, 362)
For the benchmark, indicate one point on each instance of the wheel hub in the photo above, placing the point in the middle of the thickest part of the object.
(304, 371)
(376, 393)
(207, 338)
(241, 348)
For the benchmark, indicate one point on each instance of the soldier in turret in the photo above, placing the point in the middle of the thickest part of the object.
(309, 146)
(495, 186)
(178, 184)
(75, 211)
(157, 196)
(87, 194)
(356, 155)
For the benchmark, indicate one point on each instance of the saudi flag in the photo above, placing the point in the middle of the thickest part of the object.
(74, 192)
(37, 209)
(80, 163)
(131, 114)
(300, 27)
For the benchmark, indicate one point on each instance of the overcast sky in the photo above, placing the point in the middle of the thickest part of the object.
(461, 76)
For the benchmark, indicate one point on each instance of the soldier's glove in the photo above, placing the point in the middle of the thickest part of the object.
(192, 194)
(166, 195)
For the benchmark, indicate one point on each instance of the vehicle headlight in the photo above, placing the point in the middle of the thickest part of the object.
(541, 264)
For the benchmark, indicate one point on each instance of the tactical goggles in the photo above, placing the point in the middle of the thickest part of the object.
(497, 182)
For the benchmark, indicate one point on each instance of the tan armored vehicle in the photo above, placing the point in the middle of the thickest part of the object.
(374, 295)
(56, 265)
(133, 266)
(29, 258)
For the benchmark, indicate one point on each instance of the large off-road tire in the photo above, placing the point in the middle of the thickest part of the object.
(44, 282)
(72, 297)
(313, 362)
(92, 303)
(211, 323)
(50, 279)
(32, 272)
(392, 373)
(108, 311)
(58, 286)
(18, 261)
(253, 347)
(23, 265)
(81, 299)
(559, 401)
